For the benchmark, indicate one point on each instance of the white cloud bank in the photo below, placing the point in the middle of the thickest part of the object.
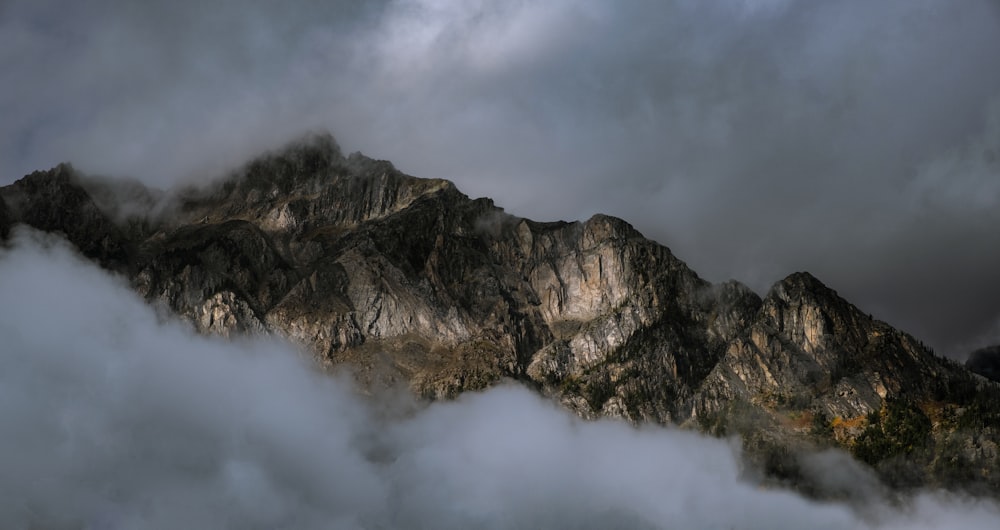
(115, 417)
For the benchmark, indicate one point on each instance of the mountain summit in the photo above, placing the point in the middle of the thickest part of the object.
(408, 280)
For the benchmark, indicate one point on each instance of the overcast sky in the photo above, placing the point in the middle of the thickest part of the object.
(857, 140)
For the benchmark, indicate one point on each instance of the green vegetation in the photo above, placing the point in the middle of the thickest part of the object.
(599, 390)
(983, 410)
(569, 385)
(822, 426)
(899, 429)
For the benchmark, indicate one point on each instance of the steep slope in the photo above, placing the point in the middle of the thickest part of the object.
(813, 368)
(408, 280)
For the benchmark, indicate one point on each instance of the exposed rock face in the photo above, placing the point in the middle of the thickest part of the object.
(409, 280)
(54, 201)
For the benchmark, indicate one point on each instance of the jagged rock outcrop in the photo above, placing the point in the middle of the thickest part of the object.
(408, 280)
(54, 201)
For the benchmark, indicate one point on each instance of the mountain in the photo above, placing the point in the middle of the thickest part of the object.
(407, 280)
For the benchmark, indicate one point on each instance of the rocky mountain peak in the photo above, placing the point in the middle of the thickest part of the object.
(407, 280)
(60, 182)
(801, 284)
(307, 184)
(55, 201)
(810, 314)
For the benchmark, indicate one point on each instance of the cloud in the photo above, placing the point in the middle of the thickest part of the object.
(115, 417)
(755, 138)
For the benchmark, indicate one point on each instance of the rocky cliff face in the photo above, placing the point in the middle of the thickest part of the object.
(408, 280)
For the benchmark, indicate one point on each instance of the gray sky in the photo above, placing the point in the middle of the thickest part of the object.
(120, 419)
(857, 140)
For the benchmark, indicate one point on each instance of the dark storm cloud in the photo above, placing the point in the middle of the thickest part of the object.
(857, 140)
(116, 418)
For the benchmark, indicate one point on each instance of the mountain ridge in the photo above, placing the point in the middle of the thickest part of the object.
(409, 281)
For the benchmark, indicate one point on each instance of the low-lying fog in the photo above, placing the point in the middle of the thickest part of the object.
(116, 416)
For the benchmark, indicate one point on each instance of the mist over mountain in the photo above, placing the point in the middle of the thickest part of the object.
(125, 418)
(985, 362)
(407, 284)
(772, 301)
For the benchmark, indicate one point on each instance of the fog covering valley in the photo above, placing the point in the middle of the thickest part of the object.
(116, 415)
